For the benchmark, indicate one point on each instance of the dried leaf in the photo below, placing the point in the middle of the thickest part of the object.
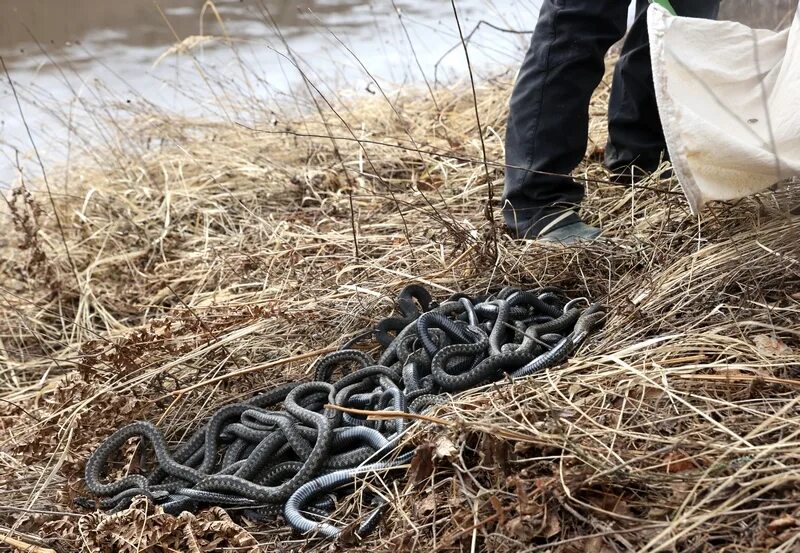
(677, 461)
(524, 504)
(349, 536)
(552, 526)
(499, 510)
(769, 345)
(143, 527)
(785, 536)
(781, 523)
(528, 527)
(444, 449)
(598, 545)
(498, 453)
(421, 465)
(427, 504)
(522, 527)
(653, 393)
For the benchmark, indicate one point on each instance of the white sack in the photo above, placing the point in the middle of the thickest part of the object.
(729, 99)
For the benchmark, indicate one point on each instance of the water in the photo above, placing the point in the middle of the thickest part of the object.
(66, 58)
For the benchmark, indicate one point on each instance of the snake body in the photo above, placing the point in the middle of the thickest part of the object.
(286, 450)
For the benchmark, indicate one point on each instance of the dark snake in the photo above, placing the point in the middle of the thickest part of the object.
(284, 451)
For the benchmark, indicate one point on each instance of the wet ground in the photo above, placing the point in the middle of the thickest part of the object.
(69, 56)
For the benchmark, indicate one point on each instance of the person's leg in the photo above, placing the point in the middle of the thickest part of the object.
(548, 123)
(634, 127)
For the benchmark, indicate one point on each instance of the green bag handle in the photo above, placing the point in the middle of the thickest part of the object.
(665, 4)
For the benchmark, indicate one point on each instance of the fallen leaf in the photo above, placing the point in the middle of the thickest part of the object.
(499, 510)
(427, 505)
(769, 345)
(785, 536)
(781, 523)
(524, 503)
(679, 462)
(611, 503)
(421, 465)
(652, 393)
(527, 527)
(522, 527)
(349, 536)
(552, 527)
(444, 449)
(597, 545)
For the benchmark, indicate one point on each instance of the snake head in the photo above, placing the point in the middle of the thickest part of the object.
(591, 319)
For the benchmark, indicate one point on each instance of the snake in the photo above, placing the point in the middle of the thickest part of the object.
(299, 448)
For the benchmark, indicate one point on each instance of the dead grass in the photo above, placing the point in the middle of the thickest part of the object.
(212, 257)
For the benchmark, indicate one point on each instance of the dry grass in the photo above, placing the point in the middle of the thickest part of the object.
(209, 258)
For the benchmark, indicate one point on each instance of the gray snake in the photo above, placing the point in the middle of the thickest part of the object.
(285, 451)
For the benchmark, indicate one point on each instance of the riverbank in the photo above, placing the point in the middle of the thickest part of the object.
(201, 250)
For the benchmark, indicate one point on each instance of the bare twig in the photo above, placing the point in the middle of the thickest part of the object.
(489, 206)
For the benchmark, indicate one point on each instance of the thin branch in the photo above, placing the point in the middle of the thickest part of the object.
(489, 206)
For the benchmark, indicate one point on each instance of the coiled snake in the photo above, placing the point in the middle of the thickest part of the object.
(255, 456)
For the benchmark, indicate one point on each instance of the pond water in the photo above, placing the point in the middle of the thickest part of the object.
(68, 57)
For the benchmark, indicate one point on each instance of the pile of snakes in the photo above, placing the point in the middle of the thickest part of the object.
(292, 449)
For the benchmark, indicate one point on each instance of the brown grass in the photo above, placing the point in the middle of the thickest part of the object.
(211, 257)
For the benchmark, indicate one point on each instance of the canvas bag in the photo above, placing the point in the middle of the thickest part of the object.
(729, 100)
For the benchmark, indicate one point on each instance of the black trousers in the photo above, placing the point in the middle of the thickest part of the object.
(548, 123)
